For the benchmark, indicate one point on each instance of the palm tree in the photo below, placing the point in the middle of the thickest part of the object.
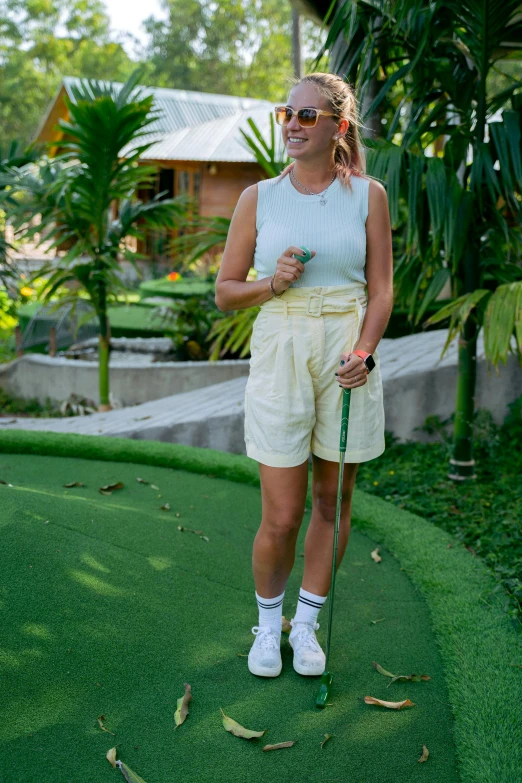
(86, 197)
(451, 157)
(12, 156)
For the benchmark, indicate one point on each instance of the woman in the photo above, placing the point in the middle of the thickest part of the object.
(313, 319)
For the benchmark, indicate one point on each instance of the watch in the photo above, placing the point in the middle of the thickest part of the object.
(367, 359)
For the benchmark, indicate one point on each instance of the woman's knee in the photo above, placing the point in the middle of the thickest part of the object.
(282, 522)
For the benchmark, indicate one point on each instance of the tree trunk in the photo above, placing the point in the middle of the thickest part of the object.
(462, 464)
(103, 353)
(296, 43)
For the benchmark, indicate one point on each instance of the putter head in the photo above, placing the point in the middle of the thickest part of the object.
(324, 690)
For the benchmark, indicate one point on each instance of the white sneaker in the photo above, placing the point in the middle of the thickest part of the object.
(309, 659)
(264, 657)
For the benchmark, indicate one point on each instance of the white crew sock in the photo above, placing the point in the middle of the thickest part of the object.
(270, 611)
(308, 607)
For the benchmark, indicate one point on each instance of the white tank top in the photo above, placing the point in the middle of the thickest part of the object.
(336, 231)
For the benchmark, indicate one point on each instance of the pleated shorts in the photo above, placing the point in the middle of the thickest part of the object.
(293, 401)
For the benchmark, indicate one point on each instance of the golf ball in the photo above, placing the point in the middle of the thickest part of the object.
(303, 258)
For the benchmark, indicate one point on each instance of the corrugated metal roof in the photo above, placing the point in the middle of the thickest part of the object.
(217, 140)
(195, 125)
(181, 108)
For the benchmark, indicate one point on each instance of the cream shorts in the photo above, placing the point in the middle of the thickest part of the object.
(293, 402)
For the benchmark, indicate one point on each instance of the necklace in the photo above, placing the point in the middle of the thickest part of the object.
(322, 200)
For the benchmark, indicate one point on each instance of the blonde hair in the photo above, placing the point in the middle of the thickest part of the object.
(349, 155)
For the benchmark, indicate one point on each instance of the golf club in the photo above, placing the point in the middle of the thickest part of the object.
(326, 677)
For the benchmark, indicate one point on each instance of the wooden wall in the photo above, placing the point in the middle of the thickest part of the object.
(220, 191)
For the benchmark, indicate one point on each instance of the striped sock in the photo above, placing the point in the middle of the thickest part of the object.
(270, 611)
(308, 607)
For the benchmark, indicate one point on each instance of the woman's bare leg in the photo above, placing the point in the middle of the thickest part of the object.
(320, 533)
(283, 492)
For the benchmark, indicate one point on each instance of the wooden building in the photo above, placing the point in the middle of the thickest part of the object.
(198, 146)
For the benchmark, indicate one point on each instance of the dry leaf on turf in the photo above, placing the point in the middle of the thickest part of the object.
(141, 481)
(425, 754)
(100, 718)
(373, 622)
(326, 738)
(392, 705)
(111, 757)
(375, 555)
(279, 745)
(128, 774)
(239, 731)
(109, 489)
(74, 484)
(285, 625)
(183, 702)
(153, 486)
(403, 677)
(165, 507)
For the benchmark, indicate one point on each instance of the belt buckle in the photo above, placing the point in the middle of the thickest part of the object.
(314, 308)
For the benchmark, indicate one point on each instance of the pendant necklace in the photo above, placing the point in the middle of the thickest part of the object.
(322, 200)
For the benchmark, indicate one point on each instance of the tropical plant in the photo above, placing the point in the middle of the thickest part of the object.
(232, 332)
(86, 197)
(12, 155)
(451, 160)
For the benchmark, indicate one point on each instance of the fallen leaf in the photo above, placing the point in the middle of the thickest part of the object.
(243, 655)
(279, 745)
(375, 555)
(141, 481)
(378, 621)
(165, 507)
(392, 705)
(128, 774)
(102, 727)
(239, 731)
(74, 484)
(401, 677)
(177, 513)
(285, 625)
(205, 538)
(109, 489)
(326, 738)
(183, 702)
(153, 486)
(425, 754)
(111, 757)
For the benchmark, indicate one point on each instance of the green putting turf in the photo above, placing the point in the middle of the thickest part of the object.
(108, 609)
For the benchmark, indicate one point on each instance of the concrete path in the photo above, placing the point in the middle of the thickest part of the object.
(416, 384)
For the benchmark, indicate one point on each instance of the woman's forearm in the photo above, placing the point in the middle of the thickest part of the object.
(238, 295)
(376, 319)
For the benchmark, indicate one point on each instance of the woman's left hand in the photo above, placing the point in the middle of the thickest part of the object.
(352, 373)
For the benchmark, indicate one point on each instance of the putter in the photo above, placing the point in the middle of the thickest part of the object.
(326, 677)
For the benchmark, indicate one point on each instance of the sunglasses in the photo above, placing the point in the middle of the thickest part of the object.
(307, 118)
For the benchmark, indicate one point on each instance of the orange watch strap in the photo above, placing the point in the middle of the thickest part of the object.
(362, 354)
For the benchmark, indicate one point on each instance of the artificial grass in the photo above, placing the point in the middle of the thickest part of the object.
(112, 609)
(481, 652)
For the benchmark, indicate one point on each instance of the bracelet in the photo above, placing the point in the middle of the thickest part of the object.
(272, 288)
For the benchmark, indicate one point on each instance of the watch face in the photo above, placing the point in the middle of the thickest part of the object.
(370, 364)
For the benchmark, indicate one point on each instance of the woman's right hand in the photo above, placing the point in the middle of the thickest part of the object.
(288, 269)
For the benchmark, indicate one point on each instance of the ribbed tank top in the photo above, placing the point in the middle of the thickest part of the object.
(336, 231)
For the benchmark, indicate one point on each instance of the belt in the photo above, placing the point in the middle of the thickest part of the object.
(316, 304)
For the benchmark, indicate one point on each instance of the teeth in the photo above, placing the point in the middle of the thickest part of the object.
(292, 139)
